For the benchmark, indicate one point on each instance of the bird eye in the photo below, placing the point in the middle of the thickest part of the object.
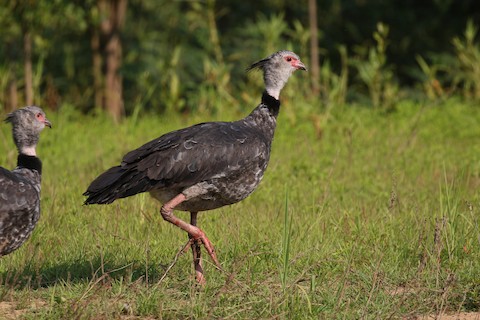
(40, 117)
(288, 59)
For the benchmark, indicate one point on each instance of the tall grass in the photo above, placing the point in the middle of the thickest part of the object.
(377, 217)
(287, 232)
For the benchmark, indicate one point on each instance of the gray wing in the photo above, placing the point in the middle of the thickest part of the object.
(182, 158)
(16, 194)
(18, 202)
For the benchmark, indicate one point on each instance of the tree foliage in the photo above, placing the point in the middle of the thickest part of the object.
(180, 55)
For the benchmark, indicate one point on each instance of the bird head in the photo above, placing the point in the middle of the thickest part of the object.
(27, 123)
(284, 60)
(277, 68)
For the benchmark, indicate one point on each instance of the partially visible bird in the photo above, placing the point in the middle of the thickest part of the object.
(205, 166)
(20, 188)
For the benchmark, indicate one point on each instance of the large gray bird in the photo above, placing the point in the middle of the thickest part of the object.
(20, 188)
(205, 166)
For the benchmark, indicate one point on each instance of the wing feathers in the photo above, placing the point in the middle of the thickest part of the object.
(16, 194)
(180, 159)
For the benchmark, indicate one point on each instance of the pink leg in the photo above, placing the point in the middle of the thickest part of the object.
(197, 258)
(194, 232)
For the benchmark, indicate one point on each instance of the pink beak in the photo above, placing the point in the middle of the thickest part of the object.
(299, 65)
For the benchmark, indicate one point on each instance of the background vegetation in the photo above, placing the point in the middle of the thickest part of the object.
(137, 55)
(369, 207)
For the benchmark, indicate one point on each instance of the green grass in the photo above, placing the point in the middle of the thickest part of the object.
(361, 214)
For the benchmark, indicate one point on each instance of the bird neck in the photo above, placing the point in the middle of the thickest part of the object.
(28, 150)
(271, 102)
(273, 92)
(264, 116)
(29, 162)
(26, 139)
(275, 81)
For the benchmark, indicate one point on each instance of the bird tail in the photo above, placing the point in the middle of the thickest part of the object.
(113, 184)
(101, 190)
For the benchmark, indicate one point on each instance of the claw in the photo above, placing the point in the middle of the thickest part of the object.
(208, 246)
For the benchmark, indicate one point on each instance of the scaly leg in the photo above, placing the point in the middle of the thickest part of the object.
(194, 232)
(197, 255)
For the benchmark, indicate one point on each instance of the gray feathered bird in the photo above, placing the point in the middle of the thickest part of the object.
(205, 166)
(20, 188)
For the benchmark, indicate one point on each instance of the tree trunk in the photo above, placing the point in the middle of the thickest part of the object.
(98, 86)
(113, 81)
(110, 29)
(314, 56)
(27, 51)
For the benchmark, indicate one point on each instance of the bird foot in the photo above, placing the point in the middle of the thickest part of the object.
(200, 236)
(197, 261)
(200, 278)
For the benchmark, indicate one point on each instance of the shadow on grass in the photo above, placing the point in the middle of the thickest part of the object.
(80, 271)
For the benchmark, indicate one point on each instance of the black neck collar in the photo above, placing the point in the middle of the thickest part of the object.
(29, 162)
(272, 103)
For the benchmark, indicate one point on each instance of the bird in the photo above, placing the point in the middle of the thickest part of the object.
(20, 188)
(205, 166)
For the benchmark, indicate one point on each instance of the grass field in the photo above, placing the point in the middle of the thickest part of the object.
(361, 214)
